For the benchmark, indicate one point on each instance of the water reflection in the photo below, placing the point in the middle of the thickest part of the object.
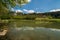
(34, 33)
(31, 23)
(33, 30)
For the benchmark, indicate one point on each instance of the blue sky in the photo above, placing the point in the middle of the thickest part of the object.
(41, 5)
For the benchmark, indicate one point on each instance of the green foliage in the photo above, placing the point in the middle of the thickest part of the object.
(12, 3)
(6, 5)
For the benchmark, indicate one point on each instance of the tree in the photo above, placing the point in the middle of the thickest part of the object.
(6, 5)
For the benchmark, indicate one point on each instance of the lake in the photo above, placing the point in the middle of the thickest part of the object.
(33, 30)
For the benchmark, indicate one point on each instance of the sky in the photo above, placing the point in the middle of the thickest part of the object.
(39, 6)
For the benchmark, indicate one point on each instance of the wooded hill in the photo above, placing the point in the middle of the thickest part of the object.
(31, 15)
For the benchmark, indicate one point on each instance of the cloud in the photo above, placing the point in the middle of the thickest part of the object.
(28, 11)
(29, 0)
(54, 10)
(18, 11)
(25, 10)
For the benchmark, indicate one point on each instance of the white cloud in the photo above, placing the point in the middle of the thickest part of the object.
(29, 0)
(54, 10)
(25, 10)
(19, 11)
(28, 11)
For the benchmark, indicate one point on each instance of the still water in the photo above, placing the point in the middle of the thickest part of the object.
(33, 30)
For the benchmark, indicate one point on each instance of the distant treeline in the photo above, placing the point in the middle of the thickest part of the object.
(20, 15)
